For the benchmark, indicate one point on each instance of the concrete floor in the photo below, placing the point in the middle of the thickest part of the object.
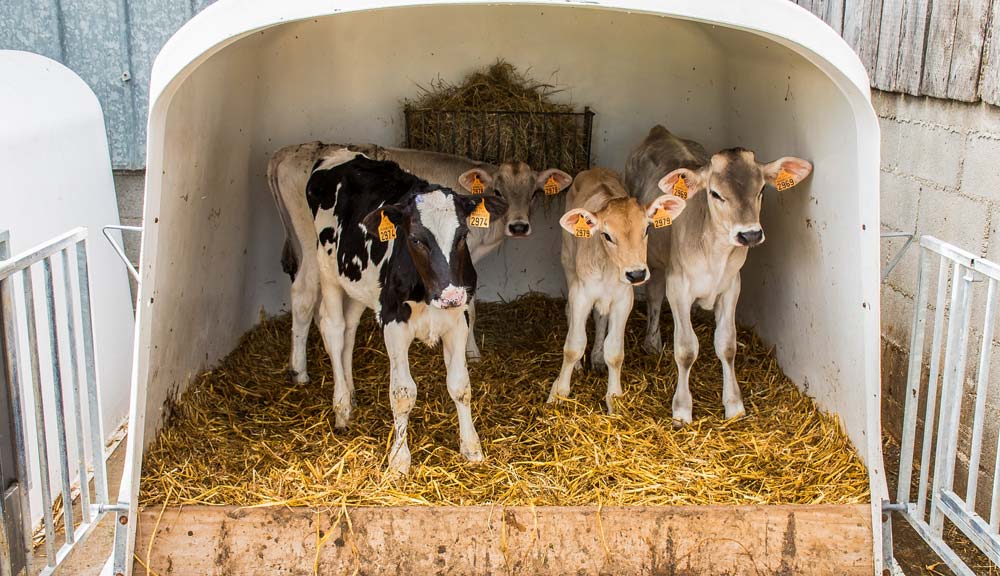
(89, 555)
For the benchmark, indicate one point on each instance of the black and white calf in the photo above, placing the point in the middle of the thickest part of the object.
(418, 278)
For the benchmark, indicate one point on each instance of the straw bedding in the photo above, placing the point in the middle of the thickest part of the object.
(243, 435)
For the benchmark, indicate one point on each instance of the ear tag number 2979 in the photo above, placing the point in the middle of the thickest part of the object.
(480, 217)
(386, 229)
(581, 229)
(661, 218)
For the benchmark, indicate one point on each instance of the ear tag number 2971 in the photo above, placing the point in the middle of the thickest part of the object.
(551, 187)
(480, 217)
(477, 185)
(581, 229)
(784, 180)
(386, 229)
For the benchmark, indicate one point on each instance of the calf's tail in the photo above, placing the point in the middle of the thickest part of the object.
(291, 252)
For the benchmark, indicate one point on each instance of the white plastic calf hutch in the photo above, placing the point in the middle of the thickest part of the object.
(245, 78)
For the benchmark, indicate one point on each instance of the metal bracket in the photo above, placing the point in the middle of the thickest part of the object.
(902, 251)
(118, 249)
(123, 508)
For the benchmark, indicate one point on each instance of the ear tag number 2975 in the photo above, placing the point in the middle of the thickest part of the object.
(386, 229)
(480, 217)
(581, 229)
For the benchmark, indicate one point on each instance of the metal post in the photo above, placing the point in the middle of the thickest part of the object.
(932, 386)
(57, 392)
(74, 375)
(913, 381)
(982, 382)
(90, 363)
(43, 451)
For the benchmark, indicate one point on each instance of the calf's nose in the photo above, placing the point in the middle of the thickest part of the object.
(518, 228)
(750, 237)
(636, 276)
(451, 297)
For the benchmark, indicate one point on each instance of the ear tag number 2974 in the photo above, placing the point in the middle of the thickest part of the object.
(386, 229)
(480, 217)
(581, 229)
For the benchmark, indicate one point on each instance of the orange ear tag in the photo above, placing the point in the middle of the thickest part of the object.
(681, 188)
(784, 180)
(480, 217)
(386, 229)
(581, 229)
(661, 218)
(551, 187)
(477, 185)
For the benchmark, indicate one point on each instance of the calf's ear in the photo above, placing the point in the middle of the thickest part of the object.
(674, 205)
(571, 219)
(786, 172)
(681, 183)
(561, 179)
(468, 178)
(373, 220)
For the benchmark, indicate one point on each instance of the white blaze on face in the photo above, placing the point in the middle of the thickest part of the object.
(438, 216)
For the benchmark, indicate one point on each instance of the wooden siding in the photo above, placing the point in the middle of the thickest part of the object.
(940, 48)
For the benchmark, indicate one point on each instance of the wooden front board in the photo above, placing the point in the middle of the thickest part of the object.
(681, 540)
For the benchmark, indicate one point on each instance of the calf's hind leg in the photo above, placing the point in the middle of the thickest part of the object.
(353, 309)
(471, 349)
(655, 291)
(461, 390)
(305, 293)
(333, 328)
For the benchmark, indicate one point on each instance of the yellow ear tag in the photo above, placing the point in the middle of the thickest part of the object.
(681, 188)
(480, 217)
(386, 229)
(784, 180)
(477, 186)
(551, 187)
(661, 218)
(581, 229)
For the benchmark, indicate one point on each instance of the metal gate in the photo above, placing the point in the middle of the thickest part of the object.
(934, 497)
(67, 256)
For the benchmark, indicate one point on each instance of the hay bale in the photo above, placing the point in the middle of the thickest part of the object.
(243, 435)
(498, 114)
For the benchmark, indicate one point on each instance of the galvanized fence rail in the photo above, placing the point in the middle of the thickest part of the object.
(935, 497)
(71, 251)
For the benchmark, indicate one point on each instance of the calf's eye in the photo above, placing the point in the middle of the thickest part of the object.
(716, 196)
(607, 237)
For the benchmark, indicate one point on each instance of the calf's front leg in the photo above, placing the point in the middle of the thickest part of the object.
(402, 392)
(725, 348)
(579, 306)
(614, 346)
(460, 389)
(685, 353)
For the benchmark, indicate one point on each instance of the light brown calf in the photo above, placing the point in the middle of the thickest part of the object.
(603, 257)
(698, 261)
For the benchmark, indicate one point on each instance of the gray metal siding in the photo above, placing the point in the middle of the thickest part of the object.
(941, 48)
(111, 44)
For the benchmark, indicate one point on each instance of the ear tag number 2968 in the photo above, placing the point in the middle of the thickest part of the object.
(480, 217)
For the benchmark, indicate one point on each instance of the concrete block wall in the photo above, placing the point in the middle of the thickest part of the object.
(940, 176)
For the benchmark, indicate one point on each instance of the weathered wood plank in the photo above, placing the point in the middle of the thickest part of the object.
(913, 33)
(940, 43)
(862, 21)
(967, 52)
(890, 30)
(989, 79)
(760, 540)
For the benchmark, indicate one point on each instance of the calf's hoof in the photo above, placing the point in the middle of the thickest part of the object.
(735, 410)
(298, 377)
(342, 415)
(598, 366)
(652, 345)
(681, 417)
(556, 396)
(473, 357)
(399, 462)
(578, 366)
(609, 401)
(473, 454)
